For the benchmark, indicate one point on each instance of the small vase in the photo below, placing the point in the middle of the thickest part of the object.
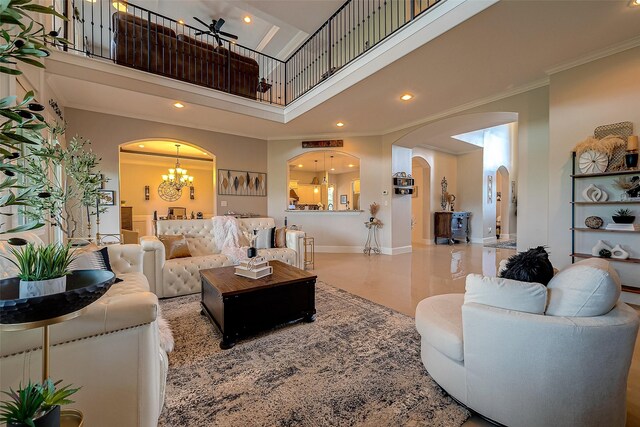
(252, 252)
(631, 160)
(618, 253)
(39, 288)
(595, 251)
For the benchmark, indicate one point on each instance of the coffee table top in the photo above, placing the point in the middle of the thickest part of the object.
(228, 283)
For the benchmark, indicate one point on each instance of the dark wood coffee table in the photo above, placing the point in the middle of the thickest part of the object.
(240, 306)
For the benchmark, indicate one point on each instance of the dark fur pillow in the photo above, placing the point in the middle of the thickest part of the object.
(530, 266)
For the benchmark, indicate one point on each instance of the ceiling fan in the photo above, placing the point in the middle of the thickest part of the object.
(214, 30)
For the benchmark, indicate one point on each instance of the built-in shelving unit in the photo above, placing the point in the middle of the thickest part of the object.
(582, 208)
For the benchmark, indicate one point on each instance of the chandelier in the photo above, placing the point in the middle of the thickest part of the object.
(177, 177)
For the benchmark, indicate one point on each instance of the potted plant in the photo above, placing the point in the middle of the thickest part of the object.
(623, 216)
(35, 405)
(42, 270)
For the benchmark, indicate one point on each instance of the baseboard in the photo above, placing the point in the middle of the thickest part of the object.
(491, 239)
(339, 249)
(397, 251)
(478, 240)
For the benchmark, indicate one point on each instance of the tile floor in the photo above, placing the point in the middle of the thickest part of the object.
(400, 282)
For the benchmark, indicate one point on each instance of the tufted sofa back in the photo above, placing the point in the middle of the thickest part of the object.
(199, 232)
(126, 258)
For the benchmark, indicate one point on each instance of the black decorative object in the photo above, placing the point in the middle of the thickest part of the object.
(83, 288)
(530, 266)
(252, 252)
(605, 253)
(631, 160)
(49, 419)
(623, 219)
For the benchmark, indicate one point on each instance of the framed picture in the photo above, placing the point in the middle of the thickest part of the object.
(343, 199)
(107, 197)
(241, 183)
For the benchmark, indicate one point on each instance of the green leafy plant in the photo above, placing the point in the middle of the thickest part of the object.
(22, 40)
(623, 212)
(42, 262)
(33, 401)
(24, 406)
(54, 397)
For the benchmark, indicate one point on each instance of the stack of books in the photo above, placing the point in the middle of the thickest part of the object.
(254, 268)
(623, 227)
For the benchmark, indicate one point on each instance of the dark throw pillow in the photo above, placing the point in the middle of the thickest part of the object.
(530, 266)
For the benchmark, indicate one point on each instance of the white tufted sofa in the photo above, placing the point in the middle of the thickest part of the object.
(112, 350)
(181, 276)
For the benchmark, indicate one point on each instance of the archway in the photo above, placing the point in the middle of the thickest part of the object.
(503, 197)
(421, 201)
(143, 198)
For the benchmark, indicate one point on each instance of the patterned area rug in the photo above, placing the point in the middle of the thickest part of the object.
(358, 364)
(505, 244)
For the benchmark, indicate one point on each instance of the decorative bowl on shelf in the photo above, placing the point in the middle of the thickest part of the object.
(83, 288)
(594, 222)
(623, 219)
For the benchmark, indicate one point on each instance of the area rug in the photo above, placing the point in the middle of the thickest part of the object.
(505, 244)
(358, 364)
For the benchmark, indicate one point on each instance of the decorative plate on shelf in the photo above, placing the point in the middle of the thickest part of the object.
(593, 222)
(593, 162)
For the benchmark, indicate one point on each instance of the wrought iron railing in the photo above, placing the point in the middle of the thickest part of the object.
(139, 38)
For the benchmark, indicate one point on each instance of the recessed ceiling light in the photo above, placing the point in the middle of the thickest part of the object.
(180, 21)
(406, 97)
(333, 169)
(120, 6)
(300, 165)
(351, 166)
(92, 1)
(247, 19)
(634, 3)
(178, 105)
(141, 145)
(339, 124)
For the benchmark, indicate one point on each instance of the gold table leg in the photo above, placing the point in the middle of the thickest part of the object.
(45, 353)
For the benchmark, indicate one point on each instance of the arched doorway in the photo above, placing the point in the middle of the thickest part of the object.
(142, 195)
(503, 197)
(421, 201)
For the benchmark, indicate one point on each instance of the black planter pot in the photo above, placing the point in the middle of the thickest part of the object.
(623, 219)
(50, 419)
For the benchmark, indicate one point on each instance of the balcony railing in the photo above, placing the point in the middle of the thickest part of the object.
(135, 37)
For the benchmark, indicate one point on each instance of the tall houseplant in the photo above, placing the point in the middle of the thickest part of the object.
(24, 40)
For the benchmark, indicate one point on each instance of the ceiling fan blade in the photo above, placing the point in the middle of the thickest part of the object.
(199, 33)
(218, 39)
(218, 24)
(231, 36)
(200, 21)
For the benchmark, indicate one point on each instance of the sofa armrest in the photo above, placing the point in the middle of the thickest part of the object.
(120, 308)
(126, 258)
(153, 261)
(295, 241)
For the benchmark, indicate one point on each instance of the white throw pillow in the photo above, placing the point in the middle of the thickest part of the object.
(584, 289)
(264, 239)
(506, 293)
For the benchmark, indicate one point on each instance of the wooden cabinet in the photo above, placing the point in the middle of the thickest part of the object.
(126, 217)
(452, 226)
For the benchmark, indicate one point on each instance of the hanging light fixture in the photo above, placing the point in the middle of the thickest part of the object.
(315, 177)
(332, 168)
(324, 169)
(177, 177)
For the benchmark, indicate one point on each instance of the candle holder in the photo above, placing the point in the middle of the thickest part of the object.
(631, 159)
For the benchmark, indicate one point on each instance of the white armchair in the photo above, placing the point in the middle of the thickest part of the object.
(524, 369)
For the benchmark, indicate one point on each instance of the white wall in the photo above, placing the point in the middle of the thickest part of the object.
(580, 99)
(107, 132)
(334, 231)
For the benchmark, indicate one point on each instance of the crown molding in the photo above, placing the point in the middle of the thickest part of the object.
(595, 55)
